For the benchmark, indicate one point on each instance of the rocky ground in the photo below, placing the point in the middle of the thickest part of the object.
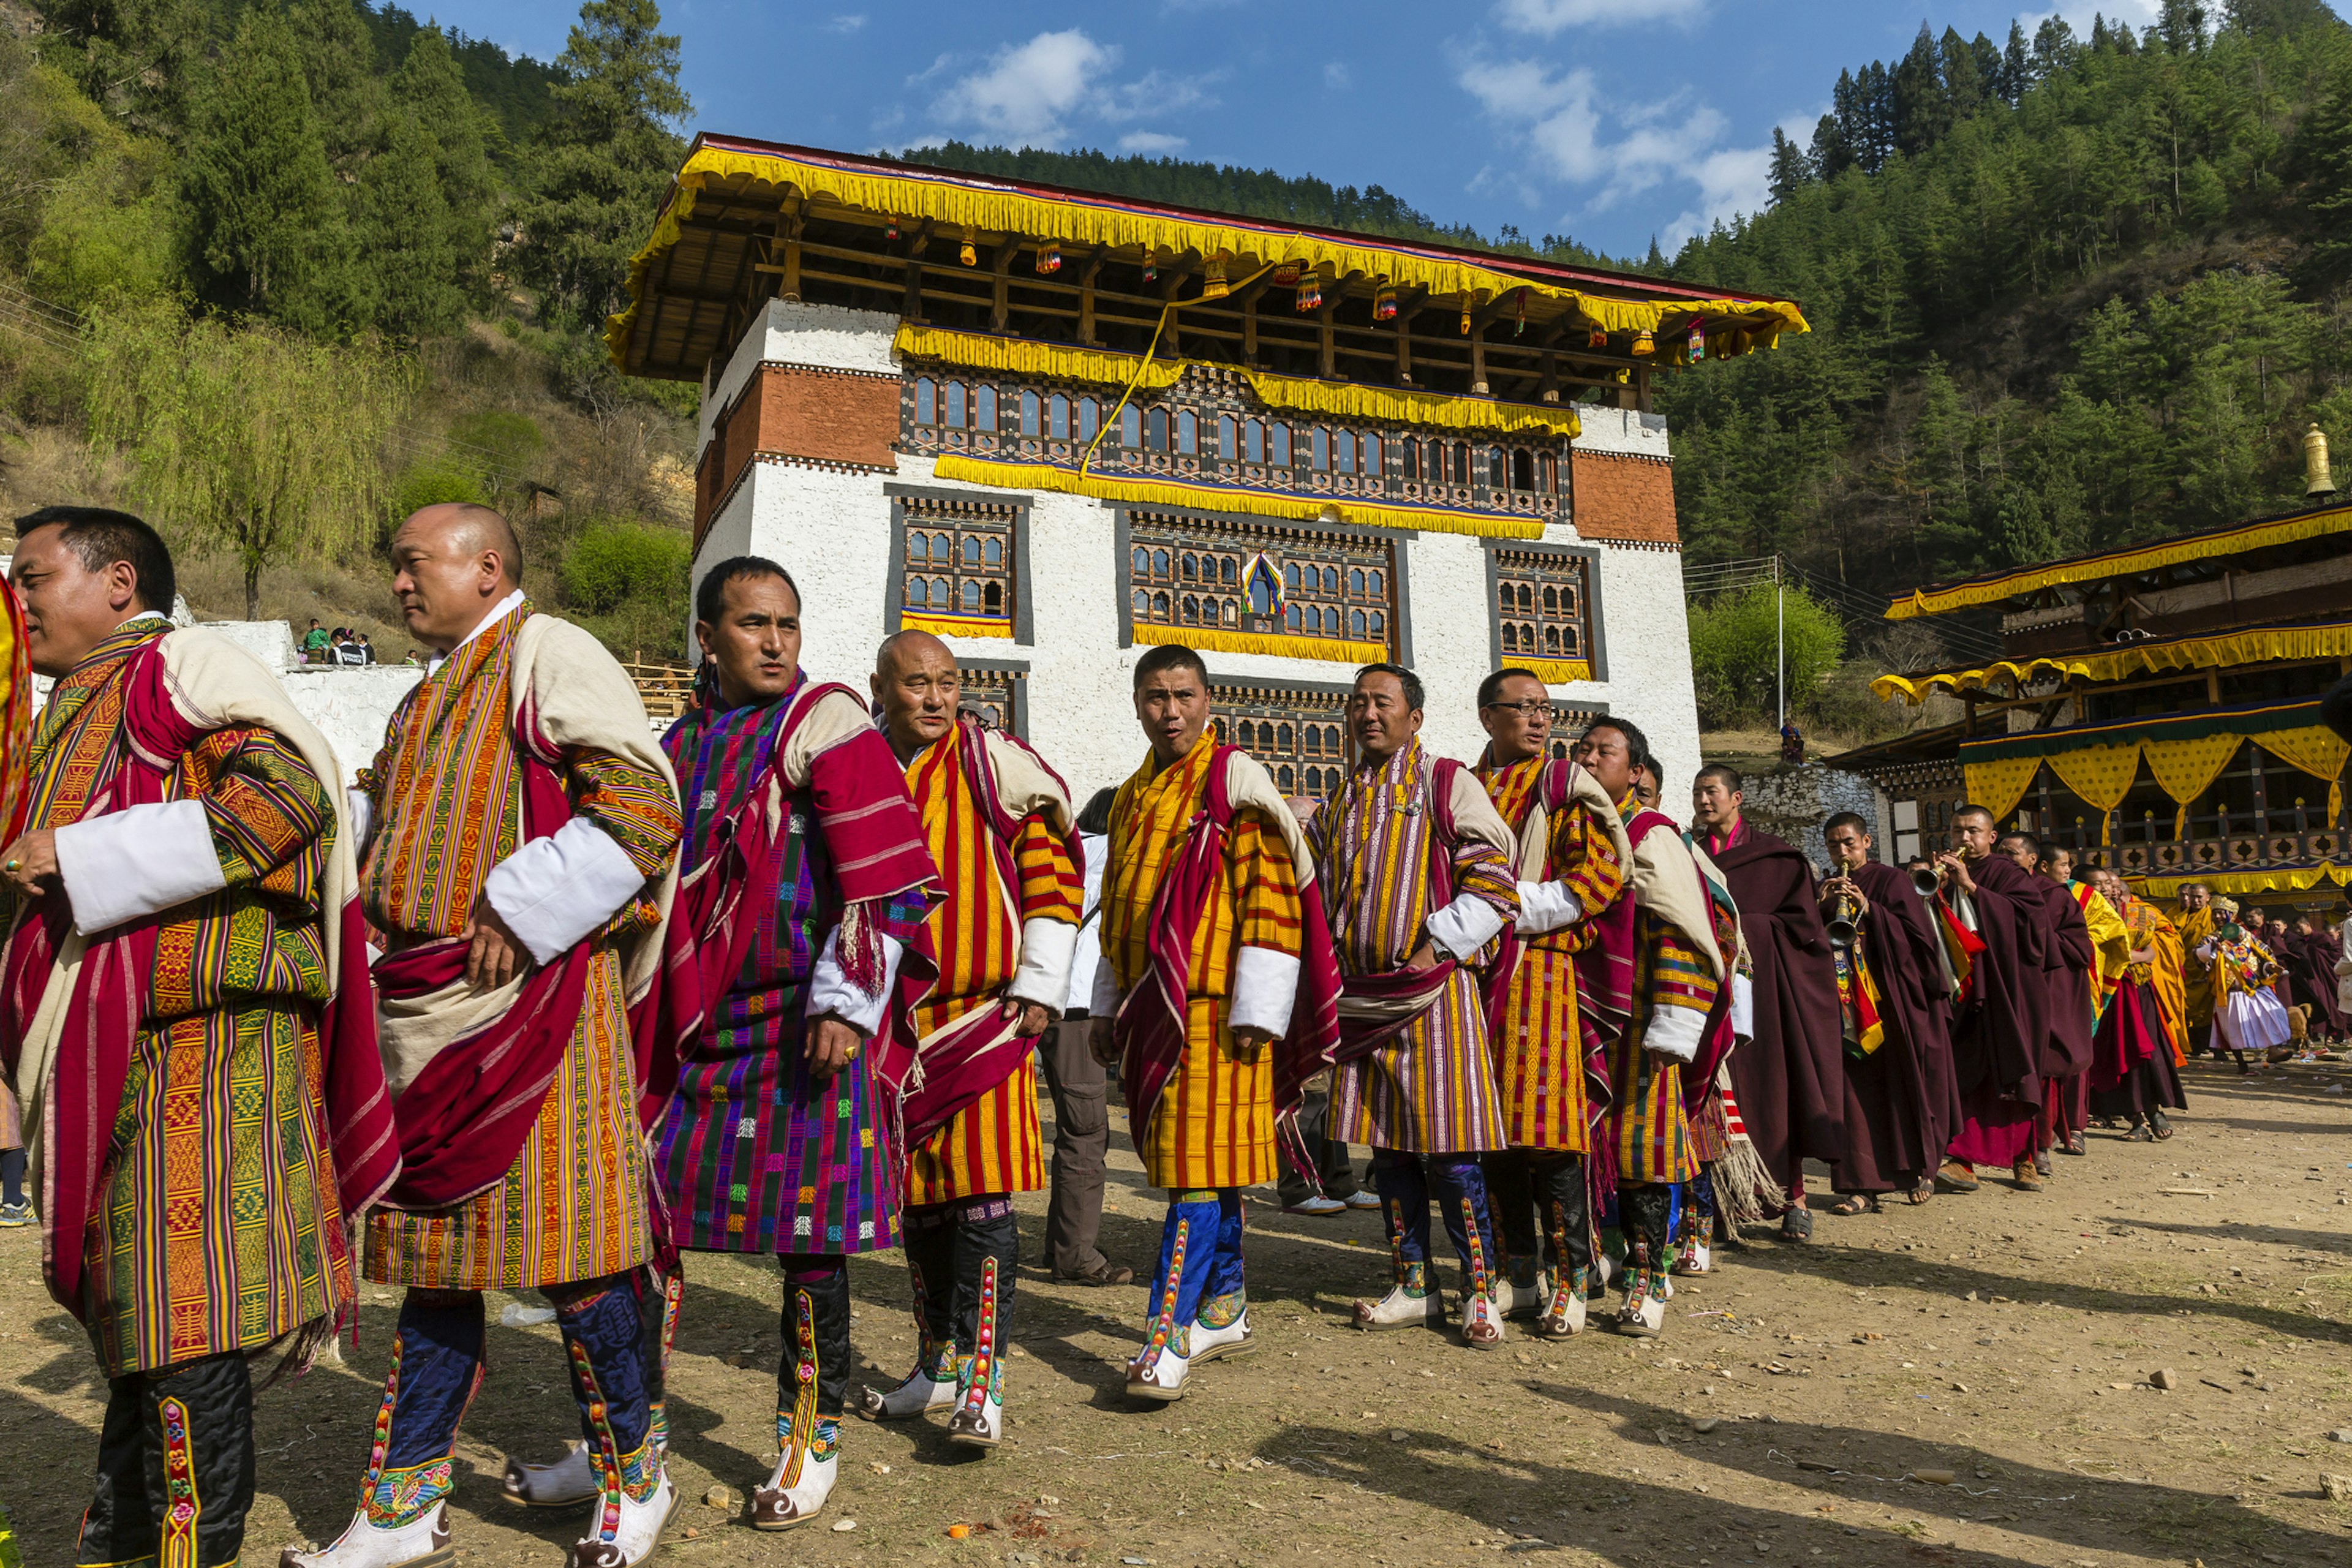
(2143, 1364)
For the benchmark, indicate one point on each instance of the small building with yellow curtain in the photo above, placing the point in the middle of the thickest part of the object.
(1056, 426)
(2157, 709)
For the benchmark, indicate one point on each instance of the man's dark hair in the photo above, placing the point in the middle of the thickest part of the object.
(99, 536)
(710, 593)
(2018, 836)
(1414, 700)
(1970, 809)
(1845, 819)
(1490, 690)
(1167, 655)
(1636, 742)
(1096, 817)
(1724, 771)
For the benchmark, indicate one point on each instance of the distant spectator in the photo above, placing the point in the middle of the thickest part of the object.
(1792, 745)
(314, 643)
(415, 658)
(349, 651)
(367, 649)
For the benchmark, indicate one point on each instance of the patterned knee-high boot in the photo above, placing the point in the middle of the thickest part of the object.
(928, 1237)
(571, 1480)
(1221, 1329)
(1513, 1180)
(1460, 1186)
(437, 1359)
(1646, 1214)
(987, 1250)
(604, 1336)
(1694, 1234)
(1188, 1244)
(812, 1379)
(1413, 1300)
(1567, 1237)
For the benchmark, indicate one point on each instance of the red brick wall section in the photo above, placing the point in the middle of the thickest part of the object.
(1621, 497)
(795, 411)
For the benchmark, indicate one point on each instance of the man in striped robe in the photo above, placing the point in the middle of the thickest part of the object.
(999, 825)
(804, 884)
(1207, 894)
(1571, 866)
(518, 864)
(1417, 869)
(202, 1114)
(1679, 976)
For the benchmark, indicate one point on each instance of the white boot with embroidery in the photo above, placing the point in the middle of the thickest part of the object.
(623, 1532)
(422, 1543)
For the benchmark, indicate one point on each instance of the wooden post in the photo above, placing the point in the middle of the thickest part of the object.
(1248, 297)
(917, 242)
(1087, 300)
(1327, 344)
(1478, 358)
(1408, 306)
(1172, 339)
(1000, 307)
(788, 228)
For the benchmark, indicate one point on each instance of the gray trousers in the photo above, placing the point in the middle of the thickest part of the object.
(1331, 1154)
(1081, 1138)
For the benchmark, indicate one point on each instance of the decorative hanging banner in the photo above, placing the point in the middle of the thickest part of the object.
(2101, 776)
(1999, 783)
(1260, 572)
(2186, 769)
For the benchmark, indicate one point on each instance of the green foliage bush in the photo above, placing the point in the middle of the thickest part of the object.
(1736, 649)
(626, 582)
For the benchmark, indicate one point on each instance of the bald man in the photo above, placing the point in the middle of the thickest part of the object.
(518, 832)
(999, 825)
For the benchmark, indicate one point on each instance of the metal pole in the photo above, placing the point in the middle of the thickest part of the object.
(1780, 639)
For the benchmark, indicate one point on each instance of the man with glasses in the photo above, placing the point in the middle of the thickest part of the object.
(1572, 866)
(1417, 869)
(999, 824)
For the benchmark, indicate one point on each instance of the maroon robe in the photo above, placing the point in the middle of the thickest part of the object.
(1901, 1103)
(2310, 962)
(1999, 1034)
(2070, 963)
(1790, 1078)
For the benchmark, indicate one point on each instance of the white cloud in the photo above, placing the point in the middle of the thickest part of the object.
(1547, 18)
(844, 24)
(1151, 141)
(1335, 76)
(1154, 95)
(1025, 89)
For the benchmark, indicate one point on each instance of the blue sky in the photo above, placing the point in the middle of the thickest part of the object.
(1612, 121)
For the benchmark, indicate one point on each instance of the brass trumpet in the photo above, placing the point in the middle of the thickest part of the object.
(1843, 912)
(1927, 883)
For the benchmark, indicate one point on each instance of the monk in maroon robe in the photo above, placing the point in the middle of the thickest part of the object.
(2003, 1020)
(2071, 962)
(2311, 955)
(1790, 1076)
(1901, 1106)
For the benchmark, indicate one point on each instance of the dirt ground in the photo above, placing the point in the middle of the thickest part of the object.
(2007, 1339)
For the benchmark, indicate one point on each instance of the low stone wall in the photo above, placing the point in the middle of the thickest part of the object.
(1794, 803)
(353, 708)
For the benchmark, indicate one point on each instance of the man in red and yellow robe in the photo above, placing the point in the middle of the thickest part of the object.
(1571, 866)
(999, 825)
(1202, 911)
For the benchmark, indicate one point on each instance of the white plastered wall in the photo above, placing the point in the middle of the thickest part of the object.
(831, 529)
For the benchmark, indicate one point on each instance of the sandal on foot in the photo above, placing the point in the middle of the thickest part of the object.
(1797, 1225)
(1854, 1203)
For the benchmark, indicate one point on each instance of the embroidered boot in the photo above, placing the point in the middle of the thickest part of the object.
(1521, 1289)
(422, 1543)
(1412, 1300)
(803, 1478)
(1563, 1317)
(931, 1386)
(625, 1529)
(571, 1481)
(1646, 1217)
(1482, 1317)
(1158, 1370)
(979, 1418)
(808, 1441)
(1222, 1331)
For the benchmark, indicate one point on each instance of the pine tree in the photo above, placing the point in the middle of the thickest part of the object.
(339, 67)
(2016, 65)
(1963, 90)
(1923, 112)
(603, 159)
(1984, 55)
(1792, 170)
(266, 230)
(430, 86)
(2055, 48)
(405, 231)
(1829, 155)
(2182, 25)
(2323, 157)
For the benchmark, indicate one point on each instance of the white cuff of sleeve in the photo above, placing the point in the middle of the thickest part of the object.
(831, 992)
(555, 891)
(136, 862)
(1675, 1032)
(1743, 1006)
(1048, 948)
(1464, 926)
(1104, 999)
(1266, 985)
(360, 811)
(1547, 907)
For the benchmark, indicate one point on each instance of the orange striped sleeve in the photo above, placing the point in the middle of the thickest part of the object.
(1051, 887)
(1266, 886)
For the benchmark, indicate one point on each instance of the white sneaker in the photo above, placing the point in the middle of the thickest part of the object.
(1643, 1315)
(920, 1395)
(1221, 1344)
(630, 1537)
(1363, 1200)
(1521, 1300)
(1158, 1372)
(1398, 1311)
(779, 1505)
(423, 1543)
(1318, 1205)
(1697, 1258)
(571, 1479)
(1563, 1317)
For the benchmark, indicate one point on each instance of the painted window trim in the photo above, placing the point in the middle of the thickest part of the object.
(1399, 540)
(1598, 625)
(894, 588)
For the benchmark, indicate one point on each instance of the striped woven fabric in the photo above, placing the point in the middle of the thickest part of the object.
(1430, 1089)
(992, 1145)
(1213, 1126)
(1648, 1127)
(217, 1228)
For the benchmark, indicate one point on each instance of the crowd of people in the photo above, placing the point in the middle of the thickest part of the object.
(543, 1004)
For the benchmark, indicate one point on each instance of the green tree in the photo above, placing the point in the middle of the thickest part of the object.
(627, 581)
(266, 231)
(404, 233)
(430, 86)
(604, 159)
(1740, 645)
(243, 436)
(338, 68)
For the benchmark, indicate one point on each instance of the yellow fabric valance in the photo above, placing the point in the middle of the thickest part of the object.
(1168, 489)
(1216, 640)
(2187, 769)
(2318, 750)
(1914, 689)
(2223, 652)
(1998, 785)
(1553, 672)
(956, 625)
(961, 201)
(2286, 879)
(2101, 776)
(1991, 589)
(1345, 400)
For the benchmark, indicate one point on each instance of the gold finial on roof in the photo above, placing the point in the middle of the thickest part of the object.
(2316, 480)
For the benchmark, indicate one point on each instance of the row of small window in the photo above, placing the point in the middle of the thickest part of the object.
(1208, 568)
(1306, 620)
(1058, 417)
(1520, 637)
(939, 597)
(939, 550)
(1272, 735)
